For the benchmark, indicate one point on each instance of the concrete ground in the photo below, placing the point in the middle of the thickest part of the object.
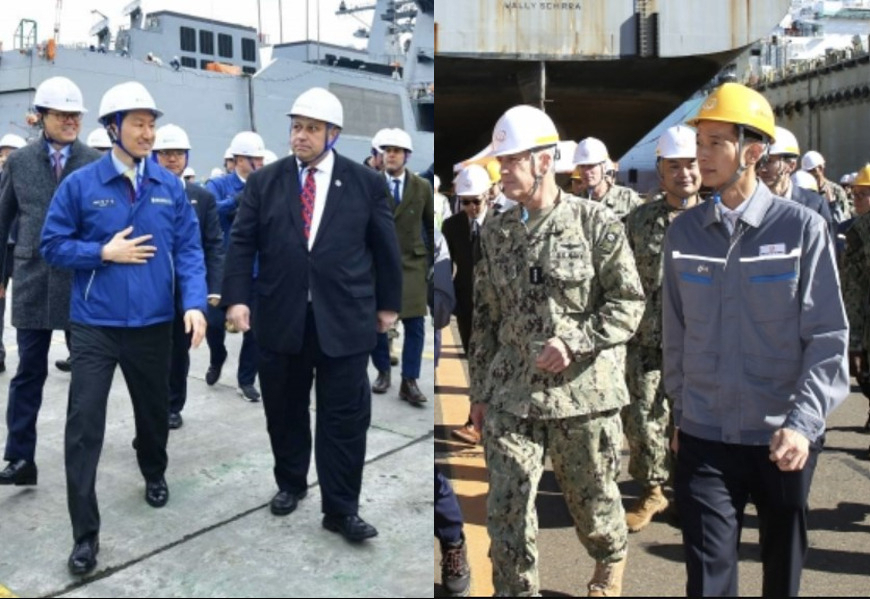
(216, 536)
(839, 519)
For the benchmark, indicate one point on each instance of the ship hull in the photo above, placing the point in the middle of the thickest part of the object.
(617, 101)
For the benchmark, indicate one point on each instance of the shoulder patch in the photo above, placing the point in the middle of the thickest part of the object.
(610, 238)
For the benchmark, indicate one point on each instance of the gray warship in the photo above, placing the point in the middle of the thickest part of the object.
(208, 77)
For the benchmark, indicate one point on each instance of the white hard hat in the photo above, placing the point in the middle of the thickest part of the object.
(564, 162)
(269, 157)
(248, 143)
(811, 160)
(188, 172)
(228, 154)
(590, 151)
(171, 137)
(376, 140)
(786, 144)
(677, 142)
(130, 95)
(59, 93)
(523, 128)
(437, 182)
(396, 138)
(844, 180)
(99, 139)
(318, 103)
(473, 180)
(216, 172)
(10, 140)
(805, 180)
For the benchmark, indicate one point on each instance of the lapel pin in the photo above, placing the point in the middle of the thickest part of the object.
(338, 182)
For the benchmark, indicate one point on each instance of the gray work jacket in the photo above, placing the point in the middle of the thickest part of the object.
(755, 334)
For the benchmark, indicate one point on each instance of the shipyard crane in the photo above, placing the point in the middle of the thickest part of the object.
(57, 9)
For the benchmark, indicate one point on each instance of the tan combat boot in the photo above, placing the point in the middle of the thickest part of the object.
(607, 579)
(652, 502)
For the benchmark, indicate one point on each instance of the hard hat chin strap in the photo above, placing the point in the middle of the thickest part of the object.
(741, 168)
(115, 136)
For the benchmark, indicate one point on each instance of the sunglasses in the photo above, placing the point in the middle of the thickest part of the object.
(467, 202)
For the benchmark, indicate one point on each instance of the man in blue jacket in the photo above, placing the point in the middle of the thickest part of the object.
(247, 150)
(125, 227)
(755, 341)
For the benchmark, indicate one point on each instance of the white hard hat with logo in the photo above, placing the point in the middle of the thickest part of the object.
(319, 103)
(677, 142)
(811, 160)
(523, 128)
(127, 96)
(590, 151)
(59, 93)
(99, 139)
(171, 137)
(396, 138)
(786, 143)
(188, 172)
(248, 143)
(10, 140)
(473, 180)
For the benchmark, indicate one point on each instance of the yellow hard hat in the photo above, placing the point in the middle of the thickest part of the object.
(576, 173)
(738, 104)
(863, 177)
(494, 170)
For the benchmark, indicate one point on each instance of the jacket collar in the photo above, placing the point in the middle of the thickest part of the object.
(757, 206)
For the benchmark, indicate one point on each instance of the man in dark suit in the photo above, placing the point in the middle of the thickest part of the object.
(330, 278)
(40, 304)
(461, 231)
(414, 215)
(172, 148)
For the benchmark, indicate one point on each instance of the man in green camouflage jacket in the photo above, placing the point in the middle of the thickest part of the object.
(647, 418)
(557, 296)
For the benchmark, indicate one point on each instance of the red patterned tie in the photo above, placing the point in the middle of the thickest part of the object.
(309, 191)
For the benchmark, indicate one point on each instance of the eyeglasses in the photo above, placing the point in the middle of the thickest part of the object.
(66, 116)
(171, 153)
(467, 202)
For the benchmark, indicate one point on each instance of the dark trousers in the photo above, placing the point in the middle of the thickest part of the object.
(25, 393)
(714, 481)
(448, 517)
(343, 412)
(215, 334)
(412, 348)
(96, 351)
(463, 323)
(179, 366)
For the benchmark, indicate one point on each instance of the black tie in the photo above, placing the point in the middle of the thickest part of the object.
(475, 241)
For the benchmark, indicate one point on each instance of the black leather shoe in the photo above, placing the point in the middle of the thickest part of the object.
(213, 373)
(83, 558)
(353, 528)
(410, 392)
(175, 420)
(19, 472)
(285, 502)
(156, 493)
(63, 365)
(382, 383)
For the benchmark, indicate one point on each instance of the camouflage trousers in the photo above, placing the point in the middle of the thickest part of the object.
(647, 419)
(585, 453)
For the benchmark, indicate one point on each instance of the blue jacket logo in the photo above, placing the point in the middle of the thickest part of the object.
(103, 202)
